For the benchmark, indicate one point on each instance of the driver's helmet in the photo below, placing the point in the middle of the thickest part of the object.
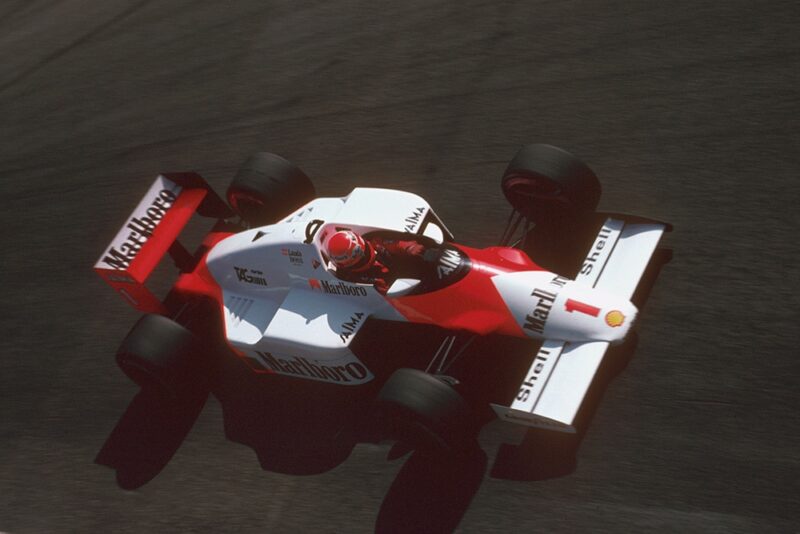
(348, 250)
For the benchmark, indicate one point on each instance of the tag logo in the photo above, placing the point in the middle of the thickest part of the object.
(250, 276)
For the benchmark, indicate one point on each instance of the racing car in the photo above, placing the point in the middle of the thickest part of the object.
(277, 303)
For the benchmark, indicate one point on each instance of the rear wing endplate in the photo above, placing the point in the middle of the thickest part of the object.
(561, 373)
(151, 231)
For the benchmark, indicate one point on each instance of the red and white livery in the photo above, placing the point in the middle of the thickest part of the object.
(285, 311)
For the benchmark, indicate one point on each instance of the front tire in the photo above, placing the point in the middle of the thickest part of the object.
(267, 188)
(426, 412)
(547, 184)
(162, 356)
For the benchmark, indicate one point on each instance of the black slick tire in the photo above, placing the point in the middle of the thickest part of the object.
(267, 188)
(547, 184)
(423, 410)
(162, 356)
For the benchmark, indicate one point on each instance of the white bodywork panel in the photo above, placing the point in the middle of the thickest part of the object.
(285, 308)
(321, 352)
(563, 369)
(632, 253)
(385, 209)
(548, 306)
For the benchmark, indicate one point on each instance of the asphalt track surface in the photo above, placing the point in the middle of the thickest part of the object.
(688, 111)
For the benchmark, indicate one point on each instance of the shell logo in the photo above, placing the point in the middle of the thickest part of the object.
(614, 318)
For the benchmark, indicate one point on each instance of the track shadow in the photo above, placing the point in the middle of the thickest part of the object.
(147, 436)
(294, 426)
(547, 454)
(294, 440)
(297, 427)
(431, 492)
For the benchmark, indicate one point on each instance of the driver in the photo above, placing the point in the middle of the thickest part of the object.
(370, 261)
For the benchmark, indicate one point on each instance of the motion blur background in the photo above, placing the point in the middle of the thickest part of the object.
(688, 112)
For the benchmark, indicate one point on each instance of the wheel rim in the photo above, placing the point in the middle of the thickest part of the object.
(248, 206)
(526, 188)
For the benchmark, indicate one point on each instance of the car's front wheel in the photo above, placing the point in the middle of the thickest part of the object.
(425, 411)
(547, 184)
(162, 356)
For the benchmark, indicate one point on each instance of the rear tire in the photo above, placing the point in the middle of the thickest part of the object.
(267, 188)
(426, 412)
(547, 184)
(162, 356)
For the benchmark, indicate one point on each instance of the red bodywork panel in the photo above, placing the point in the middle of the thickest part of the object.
(472, 303)
(200, 281)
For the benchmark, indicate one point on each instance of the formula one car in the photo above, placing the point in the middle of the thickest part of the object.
(263, 277)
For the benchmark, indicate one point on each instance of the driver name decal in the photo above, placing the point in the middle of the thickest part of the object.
(295, 256)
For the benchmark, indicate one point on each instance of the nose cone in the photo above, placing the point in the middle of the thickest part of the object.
(581, 313)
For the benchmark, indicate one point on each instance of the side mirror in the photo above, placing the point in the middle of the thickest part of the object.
(434, 232)
(402, 286)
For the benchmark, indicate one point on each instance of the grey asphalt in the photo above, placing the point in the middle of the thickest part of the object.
(688, 112)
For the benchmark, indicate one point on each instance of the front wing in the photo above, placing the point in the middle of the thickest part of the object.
(561, 373)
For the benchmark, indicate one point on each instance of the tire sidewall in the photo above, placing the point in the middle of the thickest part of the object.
(267, 188)
(162, 356)
(566, 186)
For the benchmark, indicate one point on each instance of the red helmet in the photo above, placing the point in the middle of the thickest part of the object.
(347, 249)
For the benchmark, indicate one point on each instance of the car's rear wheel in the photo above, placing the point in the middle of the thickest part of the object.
(267, 188)
(419, 408)
(162, 356)
(547, 184)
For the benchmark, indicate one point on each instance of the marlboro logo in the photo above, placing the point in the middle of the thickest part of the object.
(347, 373)
(537, 318)
(337, 288)
(140, 229)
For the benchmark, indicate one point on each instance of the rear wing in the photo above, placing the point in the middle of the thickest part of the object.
(151, 231)
(561, 373)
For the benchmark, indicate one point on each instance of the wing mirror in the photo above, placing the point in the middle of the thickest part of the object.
(402, 286)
